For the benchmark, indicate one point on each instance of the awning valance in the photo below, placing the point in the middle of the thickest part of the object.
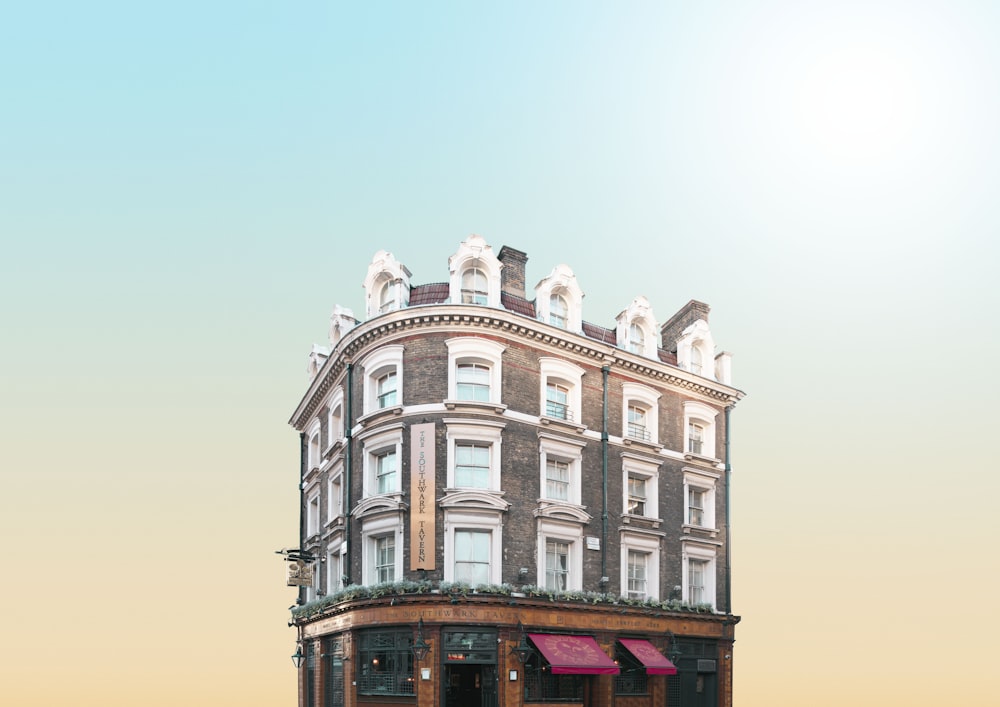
(573, 655)
(645, 652)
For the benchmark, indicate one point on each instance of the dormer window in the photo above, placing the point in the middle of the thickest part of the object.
(636, 339)
(636, 330)
(387, 285)
(696, 359)
(387, 298)
(474, 287)
(558, 310)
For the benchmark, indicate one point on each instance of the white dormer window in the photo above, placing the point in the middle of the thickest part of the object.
(696, 359)
(387, 285)
(637, 327)
(475, 288)
(696, 350)
(387, 298)
(559, 299)
(475, 274)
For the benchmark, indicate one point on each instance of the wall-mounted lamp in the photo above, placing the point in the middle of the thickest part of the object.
(523, 650)
(297, 656)
(420, 646)
(674, 652)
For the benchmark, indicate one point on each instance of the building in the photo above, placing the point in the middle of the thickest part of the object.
(504, 504)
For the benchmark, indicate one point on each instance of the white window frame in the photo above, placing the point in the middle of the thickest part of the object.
(565, 573)
(314, 451)
(569, 375)
(456, 535)
(374, 445)
(313, 513)
(377, 527)
(649, 471)
(474, 253)
(335, 423)
(386, 272)
(335, 494)
(629, 592)
(381, 362)
(569, 533)
(486, 433)
(558, 309)
(470, 519)
(565, 450)
(561, 282)
(638, 314)
(644, 397)
(649, 545)
(704, 553)
(334, 569)
(704, 416)
(472, 349)
(696, 479)
(696, 342)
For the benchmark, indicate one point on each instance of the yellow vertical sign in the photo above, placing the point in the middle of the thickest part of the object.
(422, 497)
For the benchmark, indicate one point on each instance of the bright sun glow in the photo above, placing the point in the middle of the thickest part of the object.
(858, 103)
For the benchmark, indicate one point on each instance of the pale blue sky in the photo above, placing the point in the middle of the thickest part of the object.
(187, 189)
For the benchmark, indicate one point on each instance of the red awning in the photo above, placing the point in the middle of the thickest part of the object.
(646, 653)
(574, 655)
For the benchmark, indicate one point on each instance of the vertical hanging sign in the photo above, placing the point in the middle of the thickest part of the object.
(422, 501)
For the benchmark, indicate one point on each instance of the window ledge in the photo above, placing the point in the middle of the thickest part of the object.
(648, 521)
(498, 408)
(333, 446)
(381, 412)
(560, 422)
(652, 444)
(700, 530)
(688, 456)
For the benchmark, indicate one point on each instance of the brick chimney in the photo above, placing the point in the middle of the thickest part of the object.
(512, 274)
(687, 315)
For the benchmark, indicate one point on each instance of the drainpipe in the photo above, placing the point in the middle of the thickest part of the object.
(729, 531)
(348, 447)
(604, 475)
(303, 461)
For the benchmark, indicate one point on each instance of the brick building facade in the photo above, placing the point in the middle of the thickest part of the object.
(504, 504)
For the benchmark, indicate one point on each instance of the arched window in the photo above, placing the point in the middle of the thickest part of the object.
(387, 297)
(475, 287)
(558, 310)
(636, 338)
(696, 359)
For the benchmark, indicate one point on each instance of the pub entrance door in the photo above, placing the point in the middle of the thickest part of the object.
(470, 667)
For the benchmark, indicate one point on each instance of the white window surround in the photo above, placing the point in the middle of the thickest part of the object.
(705, 553)
(572, 535)
(385, 270)
(646, 543)
(376, 443)
(312, 514)
(335, 418)
(565, 450)
(562, 282)
(335, 494)
(314, 453)
(649, 400)
(704, 482)
(334, 573)
(380, 362)
(638, 313)
(484, 520)
(568, 375)
(473, 349)
(703, 415)
(648, 470)
(474, 253)
(373, 528)
(485, 432)
(695, 343)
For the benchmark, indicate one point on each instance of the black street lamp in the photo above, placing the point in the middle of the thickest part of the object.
(297, 656)
(420, 647)
(523, 650)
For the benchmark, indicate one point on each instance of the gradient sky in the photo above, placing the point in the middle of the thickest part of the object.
(187, 189)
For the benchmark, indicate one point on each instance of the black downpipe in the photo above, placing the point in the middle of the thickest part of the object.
(729, 527)
(303, 461)
(604, 474)
(348, 447)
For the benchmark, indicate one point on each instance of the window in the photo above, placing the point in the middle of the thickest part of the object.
(334, 573)
(699, 573)
(557, 479)
(699, 424)
(474, 454)
(385, 559)
(637, 562)
(699, 497)
(561, 389)
(472, 466)
(335, 421)
(640, 564)
(561, 459)
(696, 437)
(696, 359)
(636, 496)
(387, 297)
(557, 401)
(474, 370)
(632, 678)
(696, 506)
(475, 287)
(641, 412)
(636, 339)
(640, 480)
(472, 557)
(334, 500)
(473, 382)
(385, 472)
(558, 310)
(385, 390)
(314, 451)
(557, 565)
(383, 379)
(385, 662)
(541, 685)
(312, 516)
